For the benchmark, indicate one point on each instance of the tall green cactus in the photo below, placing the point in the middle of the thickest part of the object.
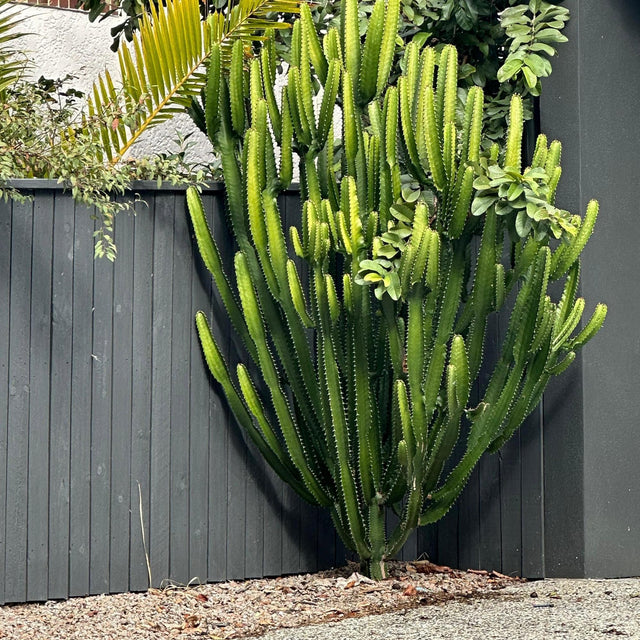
(367, 327)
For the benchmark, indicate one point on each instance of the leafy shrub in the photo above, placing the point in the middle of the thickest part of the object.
(44, 134)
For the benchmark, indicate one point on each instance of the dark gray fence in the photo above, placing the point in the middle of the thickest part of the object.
(109, 422)
(108, 418)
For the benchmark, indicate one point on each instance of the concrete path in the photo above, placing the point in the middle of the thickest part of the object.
(544, 610)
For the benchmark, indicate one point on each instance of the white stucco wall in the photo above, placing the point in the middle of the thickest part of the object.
(62, 41)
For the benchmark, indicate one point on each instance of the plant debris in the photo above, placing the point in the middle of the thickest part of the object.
(237, 609)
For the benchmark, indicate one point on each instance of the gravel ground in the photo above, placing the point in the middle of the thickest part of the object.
(237, 609)
(549, 609)
(420, 601)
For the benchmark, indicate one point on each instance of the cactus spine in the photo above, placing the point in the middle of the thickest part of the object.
(367, 414)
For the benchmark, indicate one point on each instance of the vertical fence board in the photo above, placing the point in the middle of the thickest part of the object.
(308, 538)
(39, 395)
(199, 391)
(101, 425)
(490, 532)
(325, 541)
(121, 401)
(272, 525)
(18, 410)
(254, 514)
(5, 292)
(161, 388)
(531, 451)
(220, 419)
(81, 384)
(469, 524)
(511, 507)
(447, 529)
(469, 504)
(141, 391)
(236, 495)
(60, 430)
(291, 508)
(428, 542)
(489, 465)
(180, 367)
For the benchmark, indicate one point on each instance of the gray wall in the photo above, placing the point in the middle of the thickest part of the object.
(591, 102)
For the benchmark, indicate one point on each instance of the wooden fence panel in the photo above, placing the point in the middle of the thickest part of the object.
(110, 424)
(5, 298)
(81, 417)
(19, 330)
(60, 430)
(39, 396)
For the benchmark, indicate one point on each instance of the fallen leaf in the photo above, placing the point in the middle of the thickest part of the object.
(409, 591)
(202, 598)
(497, 574)
(424, 566)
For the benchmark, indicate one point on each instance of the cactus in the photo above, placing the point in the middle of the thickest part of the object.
(367, 327)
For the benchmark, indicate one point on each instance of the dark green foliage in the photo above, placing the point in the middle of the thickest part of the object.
(367, 328)
(504, 45)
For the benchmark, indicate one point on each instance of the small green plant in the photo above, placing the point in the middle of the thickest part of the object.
(366, 327)
(533, 31)
(44, 134)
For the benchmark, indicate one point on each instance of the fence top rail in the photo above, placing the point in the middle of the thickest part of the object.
(43, 184)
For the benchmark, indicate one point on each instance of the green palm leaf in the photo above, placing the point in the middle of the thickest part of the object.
(11, 68)
(162, 69)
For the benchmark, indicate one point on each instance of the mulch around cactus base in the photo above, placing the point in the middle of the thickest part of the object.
(249, 608)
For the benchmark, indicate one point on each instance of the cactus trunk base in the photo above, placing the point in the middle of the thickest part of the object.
(374, 568)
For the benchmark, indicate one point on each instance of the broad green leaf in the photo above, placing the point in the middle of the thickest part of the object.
(162, 69)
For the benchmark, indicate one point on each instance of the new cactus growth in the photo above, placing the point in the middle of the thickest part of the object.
(366, 322)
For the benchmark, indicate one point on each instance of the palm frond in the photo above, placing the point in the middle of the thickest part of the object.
(11, 67)
(162, 69)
